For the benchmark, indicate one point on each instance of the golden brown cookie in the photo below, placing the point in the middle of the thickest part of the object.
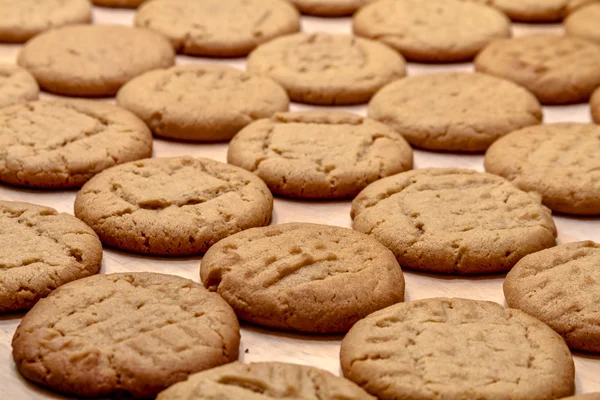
(536, 10)
(324, 68)
(16, 85)
(63, 143)
(561, 287)
(557, 69)
(329, 8)
(451, 349)
(587, 396)
(595, 105)
(558, 161)
(319, 154)
(265, 381)
(172, 206)
(130, 333)
(453, 220)
(41, 250)
(585, 22)
(455, 111)
(303, 277)
(118, 3)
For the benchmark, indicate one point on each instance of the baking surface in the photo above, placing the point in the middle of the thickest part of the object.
(260, 344)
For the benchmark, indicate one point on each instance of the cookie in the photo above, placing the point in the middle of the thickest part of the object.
(557, 69)
(453, 220)
(41, 250)
(61, 144)
(456, 349)
(319, 154)
(587, 396)
(93, 60)
(130, 333)
(329, 8)
(558, 161)
(23, 19)
(168, 101)
(595, 105)
(455, 111)
(263, 381)
(323, 68)
(172, 206)
(559, 286)
(584, 23)
(228, 28)
(303, 277)
(535, 10)
(118, 3)
(16, 85)
(428, 31)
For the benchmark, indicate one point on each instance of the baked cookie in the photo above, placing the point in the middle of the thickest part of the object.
(535, 10)
(456, 349)
(131, 333)
(168, 100)
(558, 161)
(585, 23)
(453, 220)
(63, 143)
(323, 68)
(40, 250)
(118, 3)
(275, 380)
(329, 8)
(557, 69)
(595, 105)
(428, 31)
(319, 154)
(559, 286)
(455, 111)
(16, 85)
(303, 277)
(227, 28)
(93, 60)
(172, 206)
(22, 19)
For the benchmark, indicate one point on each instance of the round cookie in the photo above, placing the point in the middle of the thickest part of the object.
(595, 105)
(558, 161)
(131, 333)
(535, 10)
(454, 111)
(453, 220)
(323, 68)
(556, 69)
(559, 286)
(319, 154)
(228, 28)
(329, 8)
(172, 206)
(118, 3)
(584, 23)
(456, 349)
(61, 144)
(303, 277)
(275, 380)
(428, 31)
(23, 19)
(169, 100)
(16, 85)
(93, 60)
(40, 250)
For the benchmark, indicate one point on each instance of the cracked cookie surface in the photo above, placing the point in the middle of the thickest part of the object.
(168, 101)
(319, 154)
(303, 277)
(453, 220)
(456, 349)
(559, 286)
(23, 19)
(93, 60)
(41, 250)
(134, 333)
(16, 85)
(558, 161)
(329, 8)
(63, 143)
(265, 381)
(428, 31)
(556, 69)
(172, 206)
(219, 28)
(322, 68)
(455, 111)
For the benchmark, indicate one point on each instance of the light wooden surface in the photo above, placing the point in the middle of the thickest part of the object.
(260, 344)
